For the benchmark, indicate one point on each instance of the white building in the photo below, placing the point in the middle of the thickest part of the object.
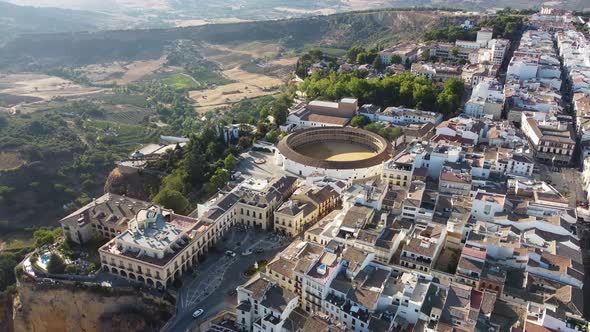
(318, 114)
(487, 205)
(487, 99)
(400, 115)
(264, 306)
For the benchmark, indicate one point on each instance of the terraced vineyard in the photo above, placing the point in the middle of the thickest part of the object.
(127, 115)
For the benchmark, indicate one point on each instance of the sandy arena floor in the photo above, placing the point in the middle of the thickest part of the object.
(336, 151)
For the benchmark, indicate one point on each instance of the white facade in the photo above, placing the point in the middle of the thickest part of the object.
(403, 116)
(486, 205)
(487, 98)
(302, 170)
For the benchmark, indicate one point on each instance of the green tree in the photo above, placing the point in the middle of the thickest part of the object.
(44, 237)
(377, 63)
(220, 178)
(230, 162)
(351, 55)
(425, 55)
(56, 264)
(359, 121)
(396, 58)
(280, 108)
(71, 269)
(454, 52)
(272, 136)
(172, 199)
(174, 181)
(362, 58)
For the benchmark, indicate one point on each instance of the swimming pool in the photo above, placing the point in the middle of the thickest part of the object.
(44, 260)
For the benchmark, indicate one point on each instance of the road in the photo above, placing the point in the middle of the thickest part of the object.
(208, 288)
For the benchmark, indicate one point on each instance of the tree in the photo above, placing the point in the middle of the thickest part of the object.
(408, 63)
(272, 136)
(454, 52)
(425, 55)
(56, 264)
(264, 113)
(362, 58)
(71, 269)
(172, 199)
(455, 86)
(352, 53)
(44, 237)
(230, 162)
(280, 108)
(174, 181)
(377, 63)
(244, 142)
(359, 121)
(220, 178)
(396, 58)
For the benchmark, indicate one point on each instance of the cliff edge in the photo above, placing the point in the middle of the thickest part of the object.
(41, 307)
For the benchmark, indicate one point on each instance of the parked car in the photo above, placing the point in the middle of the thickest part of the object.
(230, 253)
(198, 313)
(247, 252)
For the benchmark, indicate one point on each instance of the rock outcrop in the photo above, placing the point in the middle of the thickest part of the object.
(136, 185)
(71, 307)
(6, 324)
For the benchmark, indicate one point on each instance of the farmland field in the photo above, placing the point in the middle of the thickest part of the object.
(181, 82)
(126, 114)
(10, 161)
(247, 85)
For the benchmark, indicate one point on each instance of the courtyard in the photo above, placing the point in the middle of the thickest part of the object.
(249, 165)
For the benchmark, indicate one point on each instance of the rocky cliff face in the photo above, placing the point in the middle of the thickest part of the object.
(43, 307)
(134, 185)
(6, 313)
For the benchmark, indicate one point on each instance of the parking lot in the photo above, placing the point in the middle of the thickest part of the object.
(250, 168)
(212, 285)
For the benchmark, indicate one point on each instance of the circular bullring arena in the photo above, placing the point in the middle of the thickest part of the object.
(342, 153)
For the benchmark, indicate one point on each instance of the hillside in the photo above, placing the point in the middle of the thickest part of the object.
(34, 52)
(15, 20)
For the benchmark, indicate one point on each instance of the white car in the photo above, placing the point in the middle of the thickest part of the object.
(230, 253)
(197, 313)
(247, 252)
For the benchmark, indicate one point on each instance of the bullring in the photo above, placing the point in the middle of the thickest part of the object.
(343, 153)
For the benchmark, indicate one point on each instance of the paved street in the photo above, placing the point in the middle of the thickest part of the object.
(209, 287)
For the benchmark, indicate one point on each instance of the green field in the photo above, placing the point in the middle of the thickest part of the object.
(330, 51)
(181, 82)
